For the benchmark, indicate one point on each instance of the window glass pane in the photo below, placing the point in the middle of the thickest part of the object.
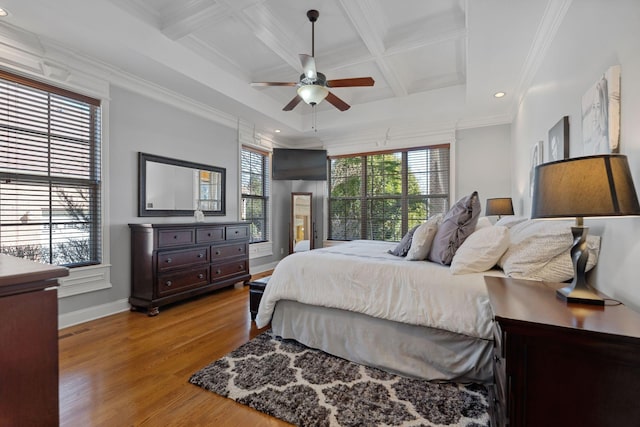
(384, 174)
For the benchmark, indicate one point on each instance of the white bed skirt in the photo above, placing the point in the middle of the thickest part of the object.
(410, 350)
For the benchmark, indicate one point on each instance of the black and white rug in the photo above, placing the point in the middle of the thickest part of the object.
(307, 387)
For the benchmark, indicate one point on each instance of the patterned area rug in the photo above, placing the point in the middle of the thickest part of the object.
(307, 387)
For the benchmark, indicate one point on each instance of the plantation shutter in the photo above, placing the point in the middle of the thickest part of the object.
(49, 173)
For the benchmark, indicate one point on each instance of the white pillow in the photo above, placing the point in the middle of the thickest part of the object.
(560, 268)
(422, 239)
(510, 220)
(481, 251)
(483, 222)
(541, 250)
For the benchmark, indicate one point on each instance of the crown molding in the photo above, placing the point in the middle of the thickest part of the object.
(547, 29)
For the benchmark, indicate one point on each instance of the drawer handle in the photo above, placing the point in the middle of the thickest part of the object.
(168, 260)
(200, 255)
(217, 252)
(240, 267)
(175, 236)
(168, 283)
(200, 276)
(218, 271)
(239, 249)
(237, 231)
(208, 234)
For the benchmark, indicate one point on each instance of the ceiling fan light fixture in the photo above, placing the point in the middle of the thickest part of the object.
(313, 94)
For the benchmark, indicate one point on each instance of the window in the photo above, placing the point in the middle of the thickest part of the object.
(255, 193)
(49, 173)
(380, 196)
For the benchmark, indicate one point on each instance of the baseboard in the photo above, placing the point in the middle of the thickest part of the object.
(264, 267)
(92, 313)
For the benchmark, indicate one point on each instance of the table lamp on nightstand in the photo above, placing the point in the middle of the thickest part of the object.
(592, 186)
(499, 206)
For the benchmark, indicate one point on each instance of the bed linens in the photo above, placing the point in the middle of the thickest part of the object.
(360, 276)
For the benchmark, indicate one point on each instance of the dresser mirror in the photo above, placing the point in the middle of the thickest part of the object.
(301, 231)
(171, 187)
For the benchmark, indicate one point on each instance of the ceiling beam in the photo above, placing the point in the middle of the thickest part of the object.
(186, 17)
(368, 20)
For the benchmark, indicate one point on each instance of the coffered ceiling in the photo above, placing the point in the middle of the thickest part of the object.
(435, 63)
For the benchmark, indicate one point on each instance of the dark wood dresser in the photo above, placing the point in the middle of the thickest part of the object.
(171, 262)
(28, 342)
(562, 364)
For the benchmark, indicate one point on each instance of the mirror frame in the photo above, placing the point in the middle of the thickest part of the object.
(143, 158)
(292, 220)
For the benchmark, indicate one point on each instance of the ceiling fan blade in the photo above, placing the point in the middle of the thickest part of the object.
(308, 66)
(356, 81)
(274, 83)
(337, 102)
(292, 104)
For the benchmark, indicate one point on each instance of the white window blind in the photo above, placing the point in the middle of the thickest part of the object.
(255, 193)
(49, 173)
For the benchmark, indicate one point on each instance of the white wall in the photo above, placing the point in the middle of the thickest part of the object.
(594, 35)
(483, 162)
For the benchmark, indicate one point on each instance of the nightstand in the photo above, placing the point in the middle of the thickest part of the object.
(561, 364)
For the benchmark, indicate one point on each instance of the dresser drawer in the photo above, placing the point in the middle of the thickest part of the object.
(182, 236)
(170, 283)
(228, 251)
(237, 232)
(208, 235)
(223, 271)
(170, 260)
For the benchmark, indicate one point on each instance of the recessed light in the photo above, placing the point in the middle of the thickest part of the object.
(499, 94)
(3, 12)
(277, 131)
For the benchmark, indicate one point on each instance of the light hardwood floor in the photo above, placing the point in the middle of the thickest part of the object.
(133, 370)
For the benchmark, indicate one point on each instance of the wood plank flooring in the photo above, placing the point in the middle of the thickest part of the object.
(129, 369)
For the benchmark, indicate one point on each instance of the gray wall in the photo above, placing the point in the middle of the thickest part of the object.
(594, 35)
(137, 123)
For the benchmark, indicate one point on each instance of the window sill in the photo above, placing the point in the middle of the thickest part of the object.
(85, 279)
(258, 250)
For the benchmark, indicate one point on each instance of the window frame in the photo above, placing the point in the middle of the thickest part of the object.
(93, 182)
(265, 197)
(365, 197)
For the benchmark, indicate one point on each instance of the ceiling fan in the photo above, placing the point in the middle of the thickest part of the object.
(313, 86)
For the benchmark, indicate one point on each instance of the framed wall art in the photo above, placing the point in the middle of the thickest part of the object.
(601, 114)
(558, 147)
(536, 159)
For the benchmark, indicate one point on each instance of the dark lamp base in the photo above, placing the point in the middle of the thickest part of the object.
(579, 296)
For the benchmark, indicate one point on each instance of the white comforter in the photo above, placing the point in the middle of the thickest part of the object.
(361, 276)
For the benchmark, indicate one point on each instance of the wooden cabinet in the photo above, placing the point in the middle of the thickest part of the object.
(561, 364)
(171, 262)
(29, 337)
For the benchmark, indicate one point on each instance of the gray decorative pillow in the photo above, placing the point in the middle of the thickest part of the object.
(405, 244)
(456, 226)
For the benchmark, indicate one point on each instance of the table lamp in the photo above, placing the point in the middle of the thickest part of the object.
(499, 206)
(591, 186)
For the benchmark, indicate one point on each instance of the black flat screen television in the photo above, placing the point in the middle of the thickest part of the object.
(288, 163)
